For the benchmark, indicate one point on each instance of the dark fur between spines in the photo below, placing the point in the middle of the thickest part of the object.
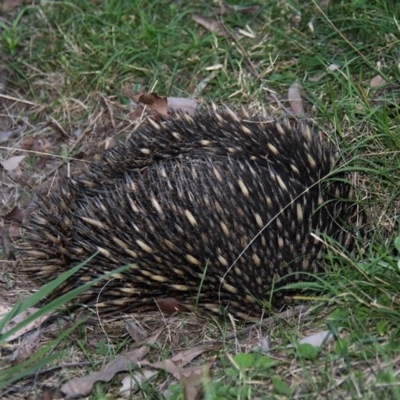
(191, 193)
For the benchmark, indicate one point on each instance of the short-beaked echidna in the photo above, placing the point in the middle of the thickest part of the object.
(215, 210)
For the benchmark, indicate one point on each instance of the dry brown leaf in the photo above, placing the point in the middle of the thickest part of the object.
(11, 4)
(4, 309)
(19, 318)
(173, 365)
(135, 331)
(316, 339)
(318, 77)
(182, 358)
(161, 105)
(295, 100)
(333, 67)
(5, 135)
(210, 24)
(189, 106)
(265, 345)
(156, 102)
(41, 145)
(194, 378)
(12, 163)
(40, 163)
(77, 132)
(128, 361)
(27, 143)
(377, 81)
(129, 383)
(28, 346)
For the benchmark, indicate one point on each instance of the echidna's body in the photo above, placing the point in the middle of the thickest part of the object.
(218, 201)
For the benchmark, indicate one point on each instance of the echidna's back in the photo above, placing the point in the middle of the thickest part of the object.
(214, 210)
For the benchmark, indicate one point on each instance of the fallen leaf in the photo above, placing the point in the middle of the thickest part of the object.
(318, 77)
(295, 100)
(135, 331)
(19, 318)
(333, 67)
(189, 106)
(265, 345)
(28, 346)
(84, 385)
(173, 365)
(110, 143)
(5, 135)
(41, 145)
(12, 163)
(377, 81)
(210, 24)
(27, 143)
(77, 132)
(41, 163)
(193, 379)
(4, 309)
(161, 105)
(11, 4)
(129, 382)
(316, 339)
(157, 103)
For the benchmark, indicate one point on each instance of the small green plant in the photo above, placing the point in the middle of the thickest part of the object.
(11, 35)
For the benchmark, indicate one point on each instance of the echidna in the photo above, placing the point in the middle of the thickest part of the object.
(215, 210)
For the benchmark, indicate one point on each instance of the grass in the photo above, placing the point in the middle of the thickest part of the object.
(60, 60)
